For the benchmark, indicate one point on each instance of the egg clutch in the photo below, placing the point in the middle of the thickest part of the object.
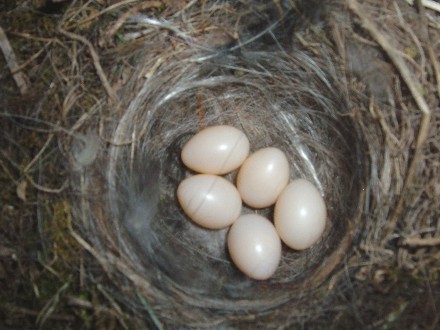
(213, 202)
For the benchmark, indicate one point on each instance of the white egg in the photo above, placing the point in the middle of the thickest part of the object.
(216, 150)
(263, 176)
(254, 246)
(300, 215)
(209, 200)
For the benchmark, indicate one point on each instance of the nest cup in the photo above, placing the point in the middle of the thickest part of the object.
(289, 101)
(348, 89)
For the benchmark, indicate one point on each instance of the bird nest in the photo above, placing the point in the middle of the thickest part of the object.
(350, 92)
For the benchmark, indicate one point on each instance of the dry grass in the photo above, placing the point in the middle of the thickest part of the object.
(108, 85)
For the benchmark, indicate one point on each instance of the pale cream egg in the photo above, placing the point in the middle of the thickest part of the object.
(263, 176)
(209, 200)
(216, 150)
(300, 215)
(254, 246)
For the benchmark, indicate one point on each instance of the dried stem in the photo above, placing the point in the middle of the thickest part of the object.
(130, 12)
(11, 60)
(416, 241)
(96, 61)
(415, 89)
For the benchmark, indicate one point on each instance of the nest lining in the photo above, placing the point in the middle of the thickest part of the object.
(292, 102)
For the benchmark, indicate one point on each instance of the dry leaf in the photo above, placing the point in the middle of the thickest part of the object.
(21, 190)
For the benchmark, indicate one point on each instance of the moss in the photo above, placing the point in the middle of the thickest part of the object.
(411, 52)
(57, 229)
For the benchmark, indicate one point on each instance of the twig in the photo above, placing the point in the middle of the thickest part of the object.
(435, 65)
(130, 12)
(426, 39)
(80, 302)
(93, 16)
(111, 93)
(38, 155)
(30, 60)
(34, 38)
(25, 311)
(414, 87)
(104, 263)
(407, 28)
(111, 260)
(7, 172)
(51, 305)
(416, 241)
(11, 60)
(115, 306)
(421, 264)
(156, 65)
(428, 4)
(45, 189)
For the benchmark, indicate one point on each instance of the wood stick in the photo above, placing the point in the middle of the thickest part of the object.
(11, 60)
